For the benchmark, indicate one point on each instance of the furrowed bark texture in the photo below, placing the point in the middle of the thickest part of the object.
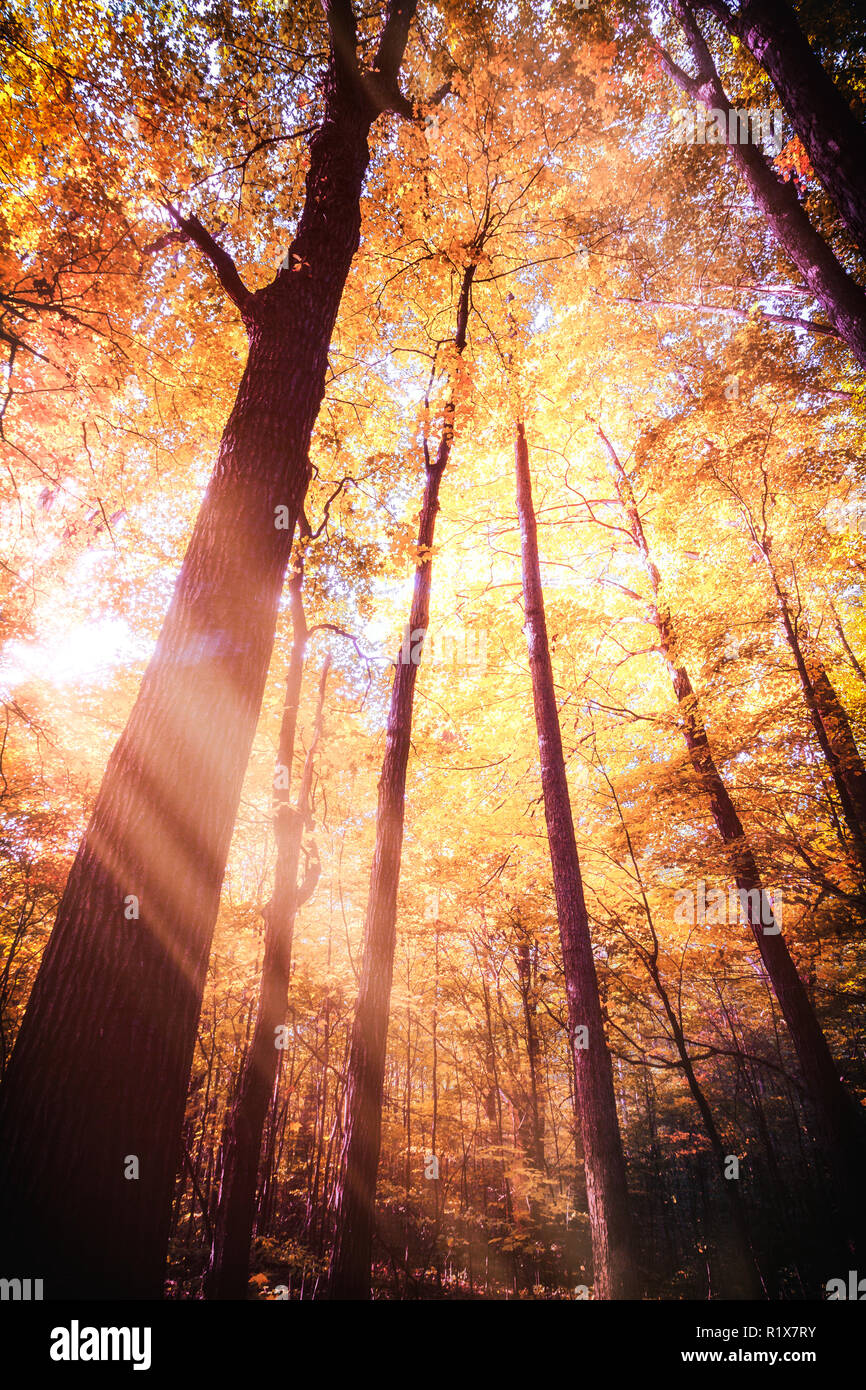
(614, 1270)
(355, 1198)
(100, 1069)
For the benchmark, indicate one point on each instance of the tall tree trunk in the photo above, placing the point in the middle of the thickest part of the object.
(527, 978)
(840, 296)
(839, 735)
(833, 137)
(99, 1073)
(355, 1197)
(434, 1082)
(229, 1263)
(839, 1123)
(829, 719)
(313, 1195)
(849, 652)
(745, 1279)
(615, 1274)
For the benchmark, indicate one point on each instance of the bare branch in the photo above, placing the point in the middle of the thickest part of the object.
(734, 312)
(684, 82)
(222, 262)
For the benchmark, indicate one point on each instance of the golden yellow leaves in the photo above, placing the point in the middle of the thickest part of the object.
(404, 553)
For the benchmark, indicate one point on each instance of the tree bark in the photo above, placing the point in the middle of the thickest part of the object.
(527, 971)
(829, 719)
(744, 1279)
(831, 134)
(747, 1279)
(839, 1124)
(100, 1069)
(839, 735)
(615, 1274)
(840, 296)
(228, 1274)
(355, 1197)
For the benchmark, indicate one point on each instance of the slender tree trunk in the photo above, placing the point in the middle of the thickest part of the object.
(313, 1202)
(746, 1278)
(835, 1112)
(355, 1201)
(849, 652)
(528, 995)
(615, 1275)
(434, 1122)
(229, 1265)
(839, 736)
(494, 1093)
(831, 134)
(99, 1074)
(829, 721)
(264, 1206)
(840, 296)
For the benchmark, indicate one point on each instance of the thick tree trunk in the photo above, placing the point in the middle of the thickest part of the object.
(99, 1074)
(840, 296)
(834, 1109)
(831, 134)
(355, 1198)
(229, 1265)
(615, 1274)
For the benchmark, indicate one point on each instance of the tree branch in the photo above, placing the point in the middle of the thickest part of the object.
(222, 262)
(341, 632)
(687, 84)
(792, 320)
(392, 44)
(720, 10)
(307, 887)
(343, 35)
(381, 81)
(841, 297)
